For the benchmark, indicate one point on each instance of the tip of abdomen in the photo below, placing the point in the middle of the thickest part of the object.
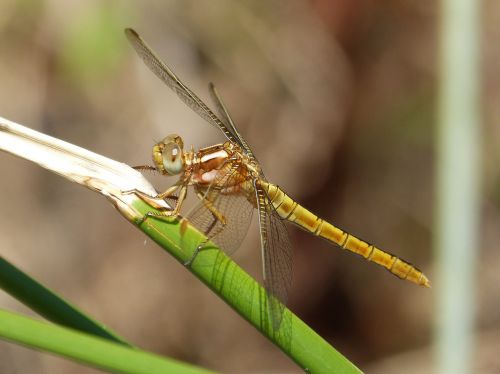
(424, 281)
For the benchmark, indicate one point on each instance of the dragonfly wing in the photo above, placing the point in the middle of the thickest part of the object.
(277, 257)
(163, 72)
(226, 118)
(223, 215)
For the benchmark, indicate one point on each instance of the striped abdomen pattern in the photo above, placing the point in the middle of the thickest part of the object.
(290, 210)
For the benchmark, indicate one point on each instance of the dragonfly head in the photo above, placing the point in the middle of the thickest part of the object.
(168, 155)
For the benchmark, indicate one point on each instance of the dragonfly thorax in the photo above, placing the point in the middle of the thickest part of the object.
(248, 163)
(207, 164)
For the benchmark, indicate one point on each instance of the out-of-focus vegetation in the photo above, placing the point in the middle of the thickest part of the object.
(458, 185)
(338, 101)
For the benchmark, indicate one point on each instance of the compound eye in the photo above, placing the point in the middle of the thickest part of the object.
(172, 158)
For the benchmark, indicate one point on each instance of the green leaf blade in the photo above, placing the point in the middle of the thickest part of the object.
(87, 349)
(244, 294)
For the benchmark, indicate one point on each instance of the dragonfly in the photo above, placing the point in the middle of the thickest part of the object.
(230, 184)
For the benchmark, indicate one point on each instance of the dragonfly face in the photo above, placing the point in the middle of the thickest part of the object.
(168, 155)
(230, 185)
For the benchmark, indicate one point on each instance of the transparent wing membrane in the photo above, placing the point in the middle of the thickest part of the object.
(163, 72)
(277, 257)
(223, 217)
(226, 118)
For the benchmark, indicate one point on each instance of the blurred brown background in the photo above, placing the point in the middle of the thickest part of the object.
(338, 101)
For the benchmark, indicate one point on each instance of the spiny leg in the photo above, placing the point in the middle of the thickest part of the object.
(217, 217)
(150, 200)
(144, 167)
(164, 212)
(210, 206)
(202, 244)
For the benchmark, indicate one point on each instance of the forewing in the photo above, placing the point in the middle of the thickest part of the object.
(226, 118)
(277, 257)
(163, 72)
(234, 207)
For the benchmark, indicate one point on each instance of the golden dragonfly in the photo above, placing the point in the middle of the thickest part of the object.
(230, 184)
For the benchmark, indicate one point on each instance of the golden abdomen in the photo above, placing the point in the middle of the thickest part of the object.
(290, 210)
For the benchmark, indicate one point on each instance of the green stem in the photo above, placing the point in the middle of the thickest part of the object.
(86, 348)
(48, 304)
(245, 295)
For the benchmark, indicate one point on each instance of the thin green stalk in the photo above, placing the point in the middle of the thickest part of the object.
(88, 349)
(245, 295)
(48, 304)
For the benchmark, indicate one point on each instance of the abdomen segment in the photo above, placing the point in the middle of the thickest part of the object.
(290, 210)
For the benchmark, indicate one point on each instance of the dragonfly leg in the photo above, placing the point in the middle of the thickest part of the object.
(202, 244)
(166, 213)
(210, 206)
(144, 167)
(217, 217)
(150, 200)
